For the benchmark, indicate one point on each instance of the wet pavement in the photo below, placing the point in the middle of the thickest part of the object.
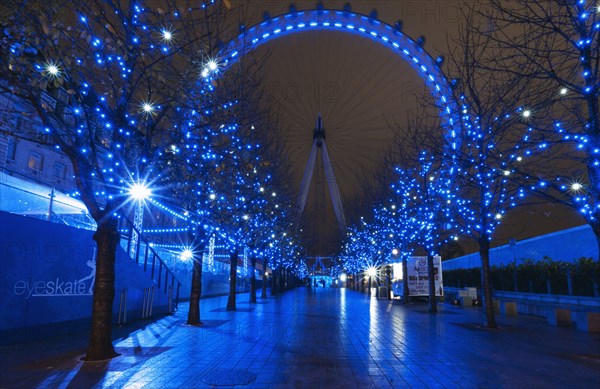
(323, 338)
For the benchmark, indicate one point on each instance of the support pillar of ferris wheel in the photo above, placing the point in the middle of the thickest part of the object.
(319, 144)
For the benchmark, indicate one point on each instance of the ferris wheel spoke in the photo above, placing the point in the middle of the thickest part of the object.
(323, 76)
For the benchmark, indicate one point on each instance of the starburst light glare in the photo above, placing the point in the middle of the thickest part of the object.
(186, 254)
(139, 191)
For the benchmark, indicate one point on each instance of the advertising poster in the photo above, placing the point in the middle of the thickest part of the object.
(418, 279)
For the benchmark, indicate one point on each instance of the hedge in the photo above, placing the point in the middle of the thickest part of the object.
(544, 276)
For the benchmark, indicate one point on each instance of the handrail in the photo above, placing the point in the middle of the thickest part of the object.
(145, 253)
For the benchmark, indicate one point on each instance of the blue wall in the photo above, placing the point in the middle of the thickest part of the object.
(44, 284)
(567, 245)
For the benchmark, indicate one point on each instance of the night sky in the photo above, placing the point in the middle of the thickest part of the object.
(362, 90)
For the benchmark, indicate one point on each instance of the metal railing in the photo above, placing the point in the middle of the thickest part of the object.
(40, 201)
(35, 199)
(148, 258)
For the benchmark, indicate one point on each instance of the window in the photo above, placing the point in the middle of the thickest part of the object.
(48, 102)
(18, 122)
(62, 96)
(35, 161)
(59, 171)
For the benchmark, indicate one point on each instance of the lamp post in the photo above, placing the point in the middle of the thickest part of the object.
(396, 253)
(371, 272)
(343, 279)
(139, 193)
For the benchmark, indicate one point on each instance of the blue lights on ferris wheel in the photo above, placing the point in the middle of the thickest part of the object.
(368, 27)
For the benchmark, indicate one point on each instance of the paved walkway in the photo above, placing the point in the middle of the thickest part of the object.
(324, 338)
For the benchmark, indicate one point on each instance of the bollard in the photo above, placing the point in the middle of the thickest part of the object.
(170, 300)
(122, 307)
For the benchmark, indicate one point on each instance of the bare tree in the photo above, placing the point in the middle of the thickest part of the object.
(493, 142)
(553, 47)
(105, 81)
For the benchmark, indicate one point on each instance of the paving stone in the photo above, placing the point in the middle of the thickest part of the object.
(324, 338)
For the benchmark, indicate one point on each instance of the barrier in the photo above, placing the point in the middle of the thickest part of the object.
(147, 303)
(122, 308)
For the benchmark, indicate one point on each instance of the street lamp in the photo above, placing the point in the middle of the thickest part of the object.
(139, 191)
(371, 272)
(186, 254)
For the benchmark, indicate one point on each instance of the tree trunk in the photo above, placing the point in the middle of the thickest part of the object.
(431, 276)
(405, 289)
(593, 169)
(196, 292)
(388, 281)
(264, 279)
(233, 259)
(488, 304)
(596, 229)
(281, 281)
(275, 282)
(253, 280)
(361, 283)
(100, 345)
